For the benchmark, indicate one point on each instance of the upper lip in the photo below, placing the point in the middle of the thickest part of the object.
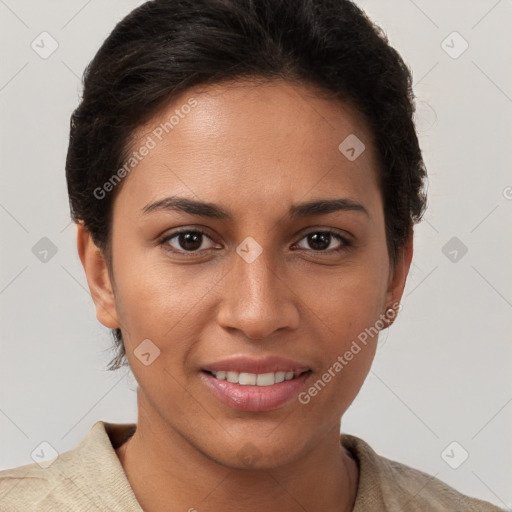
(269, 364)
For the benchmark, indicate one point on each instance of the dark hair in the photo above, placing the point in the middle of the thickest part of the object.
(165, 47)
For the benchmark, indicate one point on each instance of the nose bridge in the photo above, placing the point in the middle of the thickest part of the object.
(256, 274)
(256, 300)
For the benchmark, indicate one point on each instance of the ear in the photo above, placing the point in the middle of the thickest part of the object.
(98, 279)
(398, 276)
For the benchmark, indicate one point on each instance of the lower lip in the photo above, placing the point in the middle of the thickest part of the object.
(255, 398)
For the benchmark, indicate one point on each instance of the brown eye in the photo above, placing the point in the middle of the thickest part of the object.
(320, 241)
(186, 241)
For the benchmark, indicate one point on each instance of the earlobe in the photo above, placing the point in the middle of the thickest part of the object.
(98, 279)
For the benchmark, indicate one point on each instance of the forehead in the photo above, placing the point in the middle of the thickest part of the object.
(247, 142)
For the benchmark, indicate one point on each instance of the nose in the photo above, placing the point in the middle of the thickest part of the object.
(256, 299)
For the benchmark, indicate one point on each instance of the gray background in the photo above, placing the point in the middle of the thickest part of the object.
(442, 371)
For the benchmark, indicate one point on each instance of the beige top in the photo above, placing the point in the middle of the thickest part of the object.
(90, 478)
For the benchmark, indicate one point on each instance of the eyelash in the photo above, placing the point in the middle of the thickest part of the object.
(163, 241)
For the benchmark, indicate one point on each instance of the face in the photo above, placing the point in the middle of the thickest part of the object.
(258, 283)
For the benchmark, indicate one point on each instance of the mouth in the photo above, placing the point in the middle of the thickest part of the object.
(255, 386)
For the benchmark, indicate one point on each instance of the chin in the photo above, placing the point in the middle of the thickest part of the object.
(264, 452)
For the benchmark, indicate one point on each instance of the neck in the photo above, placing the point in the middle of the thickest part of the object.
(166, 472)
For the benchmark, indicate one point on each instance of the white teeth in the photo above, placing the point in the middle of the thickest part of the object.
(280, 376)
(254, 379)
(264, 379)
(232, 377)
(247, 379)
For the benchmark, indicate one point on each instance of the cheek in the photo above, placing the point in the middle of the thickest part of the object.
(357, 307)
(349, 300)
(350, 310)
(348, 335)
(161, 301)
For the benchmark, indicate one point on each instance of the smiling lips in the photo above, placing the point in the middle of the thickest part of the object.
(255, 385)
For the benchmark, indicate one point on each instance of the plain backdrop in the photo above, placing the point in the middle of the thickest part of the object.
(442, 371)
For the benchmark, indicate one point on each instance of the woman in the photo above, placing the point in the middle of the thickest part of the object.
(245, 177)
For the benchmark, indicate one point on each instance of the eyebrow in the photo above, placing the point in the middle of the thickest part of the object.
(204, 209)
